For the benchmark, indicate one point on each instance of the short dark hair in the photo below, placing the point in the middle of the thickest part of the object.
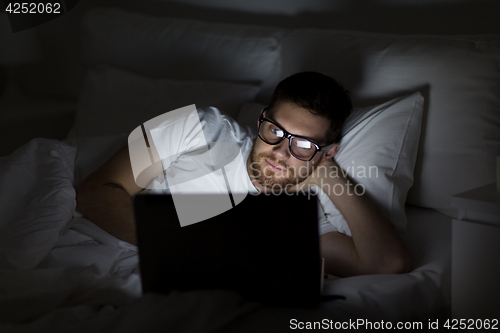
(319, 94)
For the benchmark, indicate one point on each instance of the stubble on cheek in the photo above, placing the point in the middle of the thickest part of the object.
(269, 178)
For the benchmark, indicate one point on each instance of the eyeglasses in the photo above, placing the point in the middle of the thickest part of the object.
(301, 148)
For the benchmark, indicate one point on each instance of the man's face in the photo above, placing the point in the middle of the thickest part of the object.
(273, 166)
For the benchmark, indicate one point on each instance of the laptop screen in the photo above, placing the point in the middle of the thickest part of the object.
(266, 248)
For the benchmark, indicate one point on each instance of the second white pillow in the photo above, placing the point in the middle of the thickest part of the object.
(115, 101)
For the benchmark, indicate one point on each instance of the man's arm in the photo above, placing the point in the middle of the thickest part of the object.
(105, 197)
(374, 246)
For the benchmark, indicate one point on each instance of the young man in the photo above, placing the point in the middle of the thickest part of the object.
(293, 151)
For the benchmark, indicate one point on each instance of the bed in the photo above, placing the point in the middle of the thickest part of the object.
(435, 99)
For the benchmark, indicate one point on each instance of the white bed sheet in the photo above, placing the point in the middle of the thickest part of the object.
(59, 272)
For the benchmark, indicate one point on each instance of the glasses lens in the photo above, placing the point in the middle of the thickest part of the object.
(303, 149)
(300, 148)
(270, 133)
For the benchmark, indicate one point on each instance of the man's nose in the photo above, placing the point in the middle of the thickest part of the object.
(281, 150)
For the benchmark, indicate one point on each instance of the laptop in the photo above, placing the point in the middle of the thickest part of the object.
(266, 248)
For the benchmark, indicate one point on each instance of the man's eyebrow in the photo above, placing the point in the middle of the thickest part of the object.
(300, 136)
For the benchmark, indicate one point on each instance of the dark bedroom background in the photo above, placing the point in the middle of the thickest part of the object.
(47, 70)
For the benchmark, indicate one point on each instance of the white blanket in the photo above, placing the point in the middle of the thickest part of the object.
(60, 272)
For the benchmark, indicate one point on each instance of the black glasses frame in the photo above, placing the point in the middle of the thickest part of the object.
(289, 137)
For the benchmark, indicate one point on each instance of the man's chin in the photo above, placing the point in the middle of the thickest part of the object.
(278, 184)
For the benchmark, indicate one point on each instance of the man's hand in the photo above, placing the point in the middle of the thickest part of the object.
(374, 246)
(326, 168)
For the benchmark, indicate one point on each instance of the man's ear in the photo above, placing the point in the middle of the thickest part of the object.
(331, 152)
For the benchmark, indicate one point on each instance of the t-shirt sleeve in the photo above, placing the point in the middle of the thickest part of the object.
(170, 135)
(180, 133)
(176, 132)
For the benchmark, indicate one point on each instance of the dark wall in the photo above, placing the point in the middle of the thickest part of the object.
(59, 72)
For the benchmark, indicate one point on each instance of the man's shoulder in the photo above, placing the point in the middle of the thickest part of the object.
(208, 113)
(218, 126)
(212, 116)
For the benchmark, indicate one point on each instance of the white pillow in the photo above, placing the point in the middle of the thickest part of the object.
(383, 137)
(180, 49)
(459, 77)
(114, 101)
(378, 149)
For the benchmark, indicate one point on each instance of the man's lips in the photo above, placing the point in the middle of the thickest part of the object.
(273, 166)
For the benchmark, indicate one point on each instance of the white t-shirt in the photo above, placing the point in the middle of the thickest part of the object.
(181, 140)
